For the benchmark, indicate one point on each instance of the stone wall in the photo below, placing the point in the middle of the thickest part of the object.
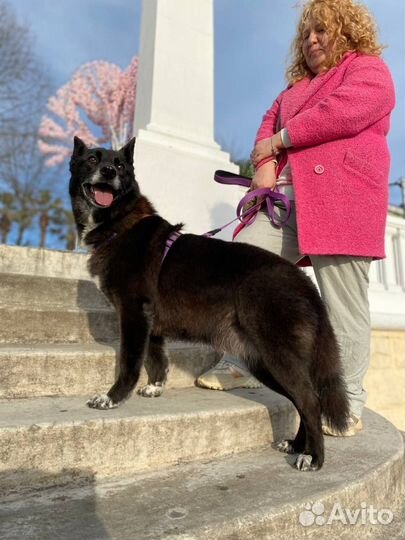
(385, 379)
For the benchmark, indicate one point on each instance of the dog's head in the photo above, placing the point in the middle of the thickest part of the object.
(102, 181)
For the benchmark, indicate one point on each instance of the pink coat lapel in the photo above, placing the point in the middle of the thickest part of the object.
(305, 90)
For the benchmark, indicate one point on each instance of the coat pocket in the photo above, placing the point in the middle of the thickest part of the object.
(363, 168)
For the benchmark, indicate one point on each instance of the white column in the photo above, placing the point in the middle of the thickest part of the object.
(175, 153)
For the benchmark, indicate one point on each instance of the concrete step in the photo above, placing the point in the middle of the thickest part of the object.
(36, 324)
(255, 495)
(46, 369)
(43, 262)
(45, 292)
(49, 441)
(43, 309)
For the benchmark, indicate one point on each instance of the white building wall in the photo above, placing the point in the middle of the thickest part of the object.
(387, 278)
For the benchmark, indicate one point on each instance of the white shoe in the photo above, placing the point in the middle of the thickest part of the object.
(354, 425)
(227, 376)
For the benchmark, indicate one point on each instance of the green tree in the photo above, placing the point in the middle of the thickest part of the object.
(24, 89)
(48, 207)
(245, 168)
(23, 218)
(64, 228)
(6, 215)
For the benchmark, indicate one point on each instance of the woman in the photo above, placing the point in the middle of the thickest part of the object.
(323, 143)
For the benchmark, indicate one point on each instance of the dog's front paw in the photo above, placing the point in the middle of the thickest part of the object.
(151, 390)
(101, 402)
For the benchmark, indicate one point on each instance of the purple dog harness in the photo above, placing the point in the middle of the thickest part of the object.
(169, 242)
(267, 199)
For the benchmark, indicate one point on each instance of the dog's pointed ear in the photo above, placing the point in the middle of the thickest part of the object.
(128, 151)
(78, 146)
(78, 150)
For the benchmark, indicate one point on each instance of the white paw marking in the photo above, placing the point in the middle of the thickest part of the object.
(284, 446)
(101, 402)
(151, 390)
(303, 462)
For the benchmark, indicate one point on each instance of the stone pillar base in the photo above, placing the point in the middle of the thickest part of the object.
(178, 178)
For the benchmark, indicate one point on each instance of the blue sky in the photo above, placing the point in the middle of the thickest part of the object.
(252, 39)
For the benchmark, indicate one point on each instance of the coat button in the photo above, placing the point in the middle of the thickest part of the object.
(319, 169)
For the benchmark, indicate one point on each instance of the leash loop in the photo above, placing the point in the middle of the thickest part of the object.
(260, 197)
(266, 196)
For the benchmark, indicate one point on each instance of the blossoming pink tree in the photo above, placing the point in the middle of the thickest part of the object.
(97, 105)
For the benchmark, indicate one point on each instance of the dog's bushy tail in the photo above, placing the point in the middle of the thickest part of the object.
(328, 378)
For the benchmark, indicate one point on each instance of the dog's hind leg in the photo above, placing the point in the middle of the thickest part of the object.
(157, 367)
(135, 326)
(309, 441)
(296, 385)
(288, 446)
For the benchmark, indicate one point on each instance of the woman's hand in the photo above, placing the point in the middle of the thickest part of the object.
(266, 148)
(261, 151)
(265, 177)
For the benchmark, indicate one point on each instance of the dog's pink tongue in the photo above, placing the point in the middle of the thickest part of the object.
(103, 197)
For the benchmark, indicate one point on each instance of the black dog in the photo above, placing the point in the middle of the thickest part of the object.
(236, 297)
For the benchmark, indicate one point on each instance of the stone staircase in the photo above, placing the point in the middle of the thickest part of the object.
(189, 465)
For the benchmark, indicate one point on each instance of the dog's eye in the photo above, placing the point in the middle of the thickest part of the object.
(92, 160)
(120, 167)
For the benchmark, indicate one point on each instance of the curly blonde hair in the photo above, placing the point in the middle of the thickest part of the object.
(349, 26)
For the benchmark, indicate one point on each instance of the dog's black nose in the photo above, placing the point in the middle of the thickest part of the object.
(108, 172)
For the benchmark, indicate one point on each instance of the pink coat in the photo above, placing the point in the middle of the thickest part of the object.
(338, 123)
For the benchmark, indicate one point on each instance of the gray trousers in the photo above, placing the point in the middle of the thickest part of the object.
(343, 284)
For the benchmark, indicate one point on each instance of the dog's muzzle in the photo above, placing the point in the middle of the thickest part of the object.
(100, 194)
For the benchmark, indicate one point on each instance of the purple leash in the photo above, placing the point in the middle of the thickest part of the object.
(268, 197)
